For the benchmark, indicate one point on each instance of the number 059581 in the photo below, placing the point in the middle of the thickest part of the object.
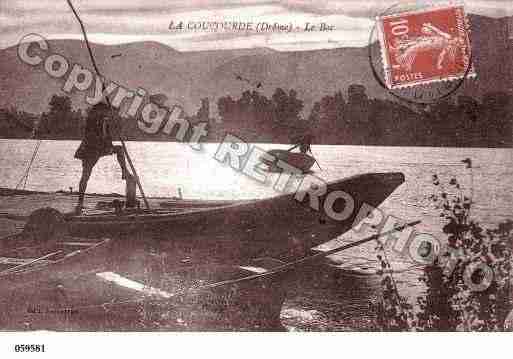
(35, 348)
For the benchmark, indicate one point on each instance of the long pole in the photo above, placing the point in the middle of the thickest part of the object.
(123, 145)
(318, 165)
(310, 259)
(282, 268)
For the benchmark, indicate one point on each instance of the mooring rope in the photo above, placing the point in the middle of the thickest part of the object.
(277, 270)
(93, 61)
(26, 173)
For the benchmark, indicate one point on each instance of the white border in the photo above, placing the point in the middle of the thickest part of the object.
(259, 345)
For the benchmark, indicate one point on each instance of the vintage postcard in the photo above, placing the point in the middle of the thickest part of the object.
(255, 166)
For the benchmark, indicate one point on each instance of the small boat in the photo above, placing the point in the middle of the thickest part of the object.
(301, 161)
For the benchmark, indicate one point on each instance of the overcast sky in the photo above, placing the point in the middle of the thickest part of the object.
(117, 21)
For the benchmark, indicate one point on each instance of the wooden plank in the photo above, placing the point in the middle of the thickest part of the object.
(133, 285)
(13, 217)
(18, 261)
(254, 269)
(32, 267)
(80, 244)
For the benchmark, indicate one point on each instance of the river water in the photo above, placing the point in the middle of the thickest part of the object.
(166, 168)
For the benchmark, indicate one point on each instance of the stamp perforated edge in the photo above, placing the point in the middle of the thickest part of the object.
(469, 73)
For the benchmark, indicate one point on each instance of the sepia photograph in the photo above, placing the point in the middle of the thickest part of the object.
(253, 166)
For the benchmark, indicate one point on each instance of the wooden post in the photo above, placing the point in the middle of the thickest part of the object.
(130, 192)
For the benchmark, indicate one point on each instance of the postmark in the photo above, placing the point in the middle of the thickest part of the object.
(424, 46)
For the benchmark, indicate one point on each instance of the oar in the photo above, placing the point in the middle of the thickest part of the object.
(292, 148)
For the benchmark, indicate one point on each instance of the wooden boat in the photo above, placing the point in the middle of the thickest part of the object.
(131, 285)
(141, 290)
(270, 227)
(301, 161)
(50, 280)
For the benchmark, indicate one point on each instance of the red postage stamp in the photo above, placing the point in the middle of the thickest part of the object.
(425, 46)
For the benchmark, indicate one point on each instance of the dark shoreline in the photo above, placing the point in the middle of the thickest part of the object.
(267, 142)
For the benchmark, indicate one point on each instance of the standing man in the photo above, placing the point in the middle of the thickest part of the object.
(96, 143)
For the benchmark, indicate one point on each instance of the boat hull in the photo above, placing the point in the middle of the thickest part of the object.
(276, 227)
(139, 289)
(301, 161)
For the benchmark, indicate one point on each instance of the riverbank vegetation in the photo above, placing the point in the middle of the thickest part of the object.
(468, 284)
(342, 119)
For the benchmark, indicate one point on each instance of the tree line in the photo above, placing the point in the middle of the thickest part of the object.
(350, 118)
(355, 119)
